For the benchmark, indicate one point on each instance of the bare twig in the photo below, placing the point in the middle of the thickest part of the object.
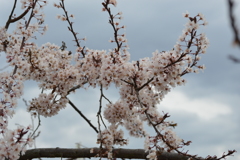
(234, 59)
(82, 115)
(39, 124)
(118, 38)
(28, 22)
(233, 23)
(111, 21)
(76, 87)
(100, 106)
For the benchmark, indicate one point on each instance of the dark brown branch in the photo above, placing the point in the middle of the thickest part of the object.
(85, 153)
(29, 20)
(76, 87)
(233, 24)
(10, 16)
(32, 14)
(114, 26)
(111, 21)
(100, 107)
(145, 84)
(234, 59)
(17, 18)
(82, 115)
(73, 89)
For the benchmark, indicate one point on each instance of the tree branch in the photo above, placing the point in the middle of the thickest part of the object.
(10, 16)
(82, 115)
(233, 24)
(85, 153)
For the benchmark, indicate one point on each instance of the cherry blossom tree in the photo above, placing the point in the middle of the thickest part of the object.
(142, 85)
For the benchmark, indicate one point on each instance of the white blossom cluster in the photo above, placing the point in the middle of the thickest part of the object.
(13, 144)
(47, 105)
(142, 84)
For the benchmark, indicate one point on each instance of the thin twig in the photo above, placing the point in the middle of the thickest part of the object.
(100, 106)
(82, 115)
(76, 87)
(39, 124)
(10, 16)
(145, 84)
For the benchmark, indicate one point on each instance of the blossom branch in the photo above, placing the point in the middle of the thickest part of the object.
(10, 16)
(111, 21)
(145, 84)
(75, 88)
(119, 39)
(185, 154)
(167, 142)
(28, 22)
(70, 27)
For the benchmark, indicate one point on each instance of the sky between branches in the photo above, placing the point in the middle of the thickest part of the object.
(206, 108)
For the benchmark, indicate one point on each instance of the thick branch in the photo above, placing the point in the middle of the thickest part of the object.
(85, 153)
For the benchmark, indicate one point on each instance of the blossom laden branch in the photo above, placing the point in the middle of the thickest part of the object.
(70, 27)
(119, 39)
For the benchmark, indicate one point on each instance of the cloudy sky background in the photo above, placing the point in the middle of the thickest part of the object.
(206, 108)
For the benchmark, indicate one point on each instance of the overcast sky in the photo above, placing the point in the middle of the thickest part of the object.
(206, 108)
